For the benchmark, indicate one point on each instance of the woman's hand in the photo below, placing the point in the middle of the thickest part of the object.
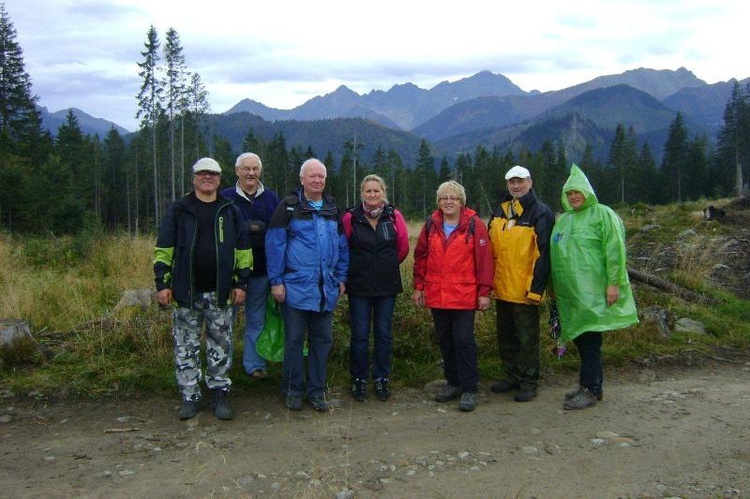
(418, 298)
(613, 293)
(483, 303)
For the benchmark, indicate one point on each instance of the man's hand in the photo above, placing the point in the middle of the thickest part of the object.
(278, 292)
(238, 296)
(164, 297)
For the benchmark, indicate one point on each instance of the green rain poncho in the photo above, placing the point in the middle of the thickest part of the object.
(587, 252)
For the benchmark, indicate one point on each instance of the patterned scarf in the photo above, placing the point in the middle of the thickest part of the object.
(374, 214)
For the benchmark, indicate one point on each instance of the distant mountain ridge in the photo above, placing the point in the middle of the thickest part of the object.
(484, 109)
(488, 109)
(89, 125)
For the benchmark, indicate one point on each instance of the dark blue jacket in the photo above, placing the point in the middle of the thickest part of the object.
(173, 256)
(258, 210)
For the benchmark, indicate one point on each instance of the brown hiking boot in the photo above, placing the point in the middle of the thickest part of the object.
(582, 400)
(572, 393)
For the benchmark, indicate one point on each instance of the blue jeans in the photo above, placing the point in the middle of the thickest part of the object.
(591, 374)
(316, 328)
(455, 334)
(255, 318)
(377, 310)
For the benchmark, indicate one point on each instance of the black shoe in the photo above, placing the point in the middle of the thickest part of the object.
(319, 403)
(220, 404)
(359, 389)
(189, 409)
(505, 386)
(293, 402)
(448, 393)
(382, 390)
(525, 396)
(468, 402)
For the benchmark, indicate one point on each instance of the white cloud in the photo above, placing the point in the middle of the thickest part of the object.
(83, 53)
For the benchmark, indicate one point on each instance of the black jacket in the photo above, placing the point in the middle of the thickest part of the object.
(173, 256)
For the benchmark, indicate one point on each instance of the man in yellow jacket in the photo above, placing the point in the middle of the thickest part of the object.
(519, 234)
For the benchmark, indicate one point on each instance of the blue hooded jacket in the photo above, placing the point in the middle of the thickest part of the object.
(307, 252)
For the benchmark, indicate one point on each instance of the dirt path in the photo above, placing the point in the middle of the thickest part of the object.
(658, 433)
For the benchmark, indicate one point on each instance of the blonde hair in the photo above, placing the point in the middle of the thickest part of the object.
(453, 187)
(379, 180)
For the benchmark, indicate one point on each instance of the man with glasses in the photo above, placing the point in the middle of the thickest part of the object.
(202, 261)
(256, 203)
(519, 234)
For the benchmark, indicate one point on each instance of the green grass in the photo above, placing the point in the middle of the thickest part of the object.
(66, 288)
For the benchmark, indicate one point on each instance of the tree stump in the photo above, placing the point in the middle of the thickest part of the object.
(12, 331)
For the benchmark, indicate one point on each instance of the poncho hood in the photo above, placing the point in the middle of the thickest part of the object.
(577, 181)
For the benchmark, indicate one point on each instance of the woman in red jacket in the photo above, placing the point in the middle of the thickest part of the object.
(453, 273)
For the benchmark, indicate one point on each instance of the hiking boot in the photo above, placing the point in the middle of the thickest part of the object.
(189, 409)
(525, 395)
(572, 393)
(319, 403)
(505, 386)
(220, 404)
(448, 393)
(582, 400)
(293, 402)
(382, 389)
(359, 389)
(468, 402)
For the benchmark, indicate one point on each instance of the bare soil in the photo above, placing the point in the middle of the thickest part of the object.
(661, 431)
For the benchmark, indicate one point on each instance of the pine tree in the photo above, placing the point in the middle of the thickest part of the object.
(197, 109)
(71, 178)
(20, 122)
(175, 85)
(115, 180)
(733, 149)
(425, 171)
(149, 104)
(673, 162)
(24, 145)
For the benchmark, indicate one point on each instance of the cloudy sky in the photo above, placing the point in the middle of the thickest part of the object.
(83, 53)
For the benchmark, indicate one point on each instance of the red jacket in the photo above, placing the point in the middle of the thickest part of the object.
(453, 272)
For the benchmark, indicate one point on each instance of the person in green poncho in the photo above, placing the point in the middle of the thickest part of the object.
(590, 281)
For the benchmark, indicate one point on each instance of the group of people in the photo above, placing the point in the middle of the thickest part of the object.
(218, 250)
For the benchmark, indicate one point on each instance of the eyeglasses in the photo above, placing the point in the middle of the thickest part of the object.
(449, 198)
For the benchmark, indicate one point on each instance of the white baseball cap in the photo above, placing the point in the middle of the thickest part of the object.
(517, 172)
(206, 165)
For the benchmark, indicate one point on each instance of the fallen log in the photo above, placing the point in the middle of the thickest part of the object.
(663, 284)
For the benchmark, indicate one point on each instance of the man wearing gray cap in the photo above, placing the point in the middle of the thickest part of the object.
(202, 261)
(519, 233)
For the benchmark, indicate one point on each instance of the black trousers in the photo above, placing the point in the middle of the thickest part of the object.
(590, 349)
(455, 334)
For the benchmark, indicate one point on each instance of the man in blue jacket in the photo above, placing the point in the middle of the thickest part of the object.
(308, 260)
(256, 203)
(202, 261)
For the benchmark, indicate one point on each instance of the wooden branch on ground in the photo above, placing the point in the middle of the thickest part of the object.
(663, 284)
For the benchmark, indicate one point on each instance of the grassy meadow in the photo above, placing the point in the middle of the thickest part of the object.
(67, 289)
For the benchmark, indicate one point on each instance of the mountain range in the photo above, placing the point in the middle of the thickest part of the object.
(484, 109)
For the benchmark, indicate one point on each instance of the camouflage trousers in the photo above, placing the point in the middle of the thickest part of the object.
(186, 332)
